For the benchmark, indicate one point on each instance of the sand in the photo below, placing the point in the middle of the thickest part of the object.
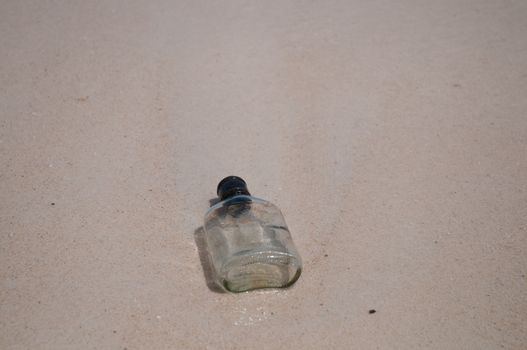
(393, 136)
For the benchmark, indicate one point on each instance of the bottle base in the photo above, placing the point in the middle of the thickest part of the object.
(260, 270)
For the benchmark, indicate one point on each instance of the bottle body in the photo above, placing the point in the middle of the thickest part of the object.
(250, 245)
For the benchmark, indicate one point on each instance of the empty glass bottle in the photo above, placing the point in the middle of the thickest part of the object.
(248, 241)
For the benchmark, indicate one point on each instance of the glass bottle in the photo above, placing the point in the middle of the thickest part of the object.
(248, 241)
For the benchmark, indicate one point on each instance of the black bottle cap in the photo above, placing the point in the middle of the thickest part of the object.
(232, 186)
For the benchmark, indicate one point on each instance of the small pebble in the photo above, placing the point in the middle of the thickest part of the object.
(372, 311)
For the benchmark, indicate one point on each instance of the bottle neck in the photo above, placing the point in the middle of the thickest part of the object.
(236, 192)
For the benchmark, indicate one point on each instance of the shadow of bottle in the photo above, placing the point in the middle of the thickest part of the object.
(208, 270)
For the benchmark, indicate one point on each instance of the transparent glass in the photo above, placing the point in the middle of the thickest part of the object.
(250, 245)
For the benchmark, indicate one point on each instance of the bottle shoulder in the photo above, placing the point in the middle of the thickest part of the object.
(254, 202)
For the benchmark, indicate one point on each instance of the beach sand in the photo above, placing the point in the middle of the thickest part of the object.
(393, 136)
